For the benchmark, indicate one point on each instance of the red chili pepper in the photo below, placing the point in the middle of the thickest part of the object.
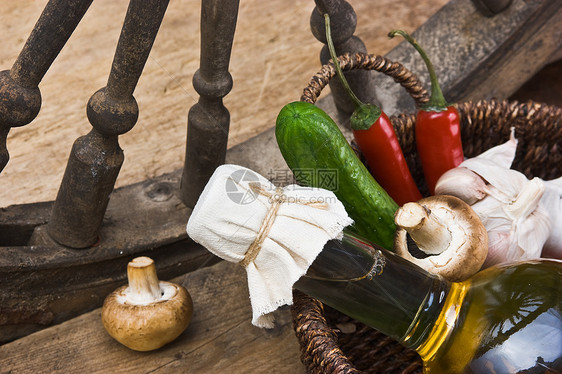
(377, 141)
(386, 160)
(438, 130)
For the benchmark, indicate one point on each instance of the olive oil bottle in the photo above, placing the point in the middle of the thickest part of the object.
(505, 319)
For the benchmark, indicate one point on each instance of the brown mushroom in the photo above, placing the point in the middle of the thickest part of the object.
(147, 313)
(448, 231)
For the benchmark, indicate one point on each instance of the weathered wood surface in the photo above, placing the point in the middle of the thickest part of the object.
(273, 56)
(478, 57)
(220, 338)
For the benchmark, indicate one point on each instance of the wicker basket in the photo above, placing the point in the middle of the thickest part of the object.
(334, 343)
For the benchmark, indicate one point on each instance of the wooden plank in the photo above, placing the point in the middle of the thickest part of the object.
(478, 57)
(219, 339)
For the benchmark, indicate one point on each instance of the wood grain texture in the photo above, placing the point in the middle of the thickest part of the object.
(220, 338)
(273, 56)
(478, 57)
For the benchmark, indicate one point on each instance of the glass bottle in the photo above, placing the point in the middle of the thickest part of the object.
(505, 319)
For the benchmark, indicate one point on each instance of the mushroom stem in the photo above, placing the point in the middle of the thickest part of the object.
(144, 287)
(430, 235)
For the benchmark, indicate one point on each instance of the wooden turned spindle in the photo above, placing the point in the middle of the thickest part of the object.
(208, 120)
(96, 158)
(343, 22)
(20, 98)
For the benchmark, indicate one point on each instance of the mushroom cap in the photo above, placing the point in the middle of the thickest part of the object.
(151, 326)
(470, 240)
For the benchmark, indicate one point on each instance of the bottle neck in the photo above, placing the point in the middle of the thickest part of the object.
(378, 288)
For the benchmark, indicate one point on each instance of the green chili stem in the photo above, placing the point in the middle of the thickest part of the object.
(364, 115)
(437, 100)
(358, 103)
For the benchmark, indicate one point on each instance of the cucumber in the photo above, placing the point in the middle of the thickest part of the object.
(317, 152)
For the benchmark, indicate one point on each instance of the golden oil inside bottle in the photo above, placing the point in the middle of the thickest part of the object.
(503, 320)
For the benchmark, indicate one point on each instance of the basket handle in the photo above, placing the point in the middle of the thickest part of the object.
(365, 61)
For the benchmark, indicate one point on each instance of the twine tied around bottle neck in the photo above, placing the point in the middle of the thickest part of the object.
(276, 198)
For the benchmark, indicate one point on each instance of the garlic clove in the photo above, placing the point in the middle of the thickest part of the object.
(494, 167)
(507, 182)
(490, 211)
(462, 183)
(498, 247)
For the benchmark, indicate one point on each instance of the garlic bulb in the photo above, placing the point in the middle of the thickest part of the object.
(523, 217)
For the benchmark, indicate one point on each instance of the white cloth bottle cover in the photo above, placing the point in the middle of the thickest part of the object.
(275, 233)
